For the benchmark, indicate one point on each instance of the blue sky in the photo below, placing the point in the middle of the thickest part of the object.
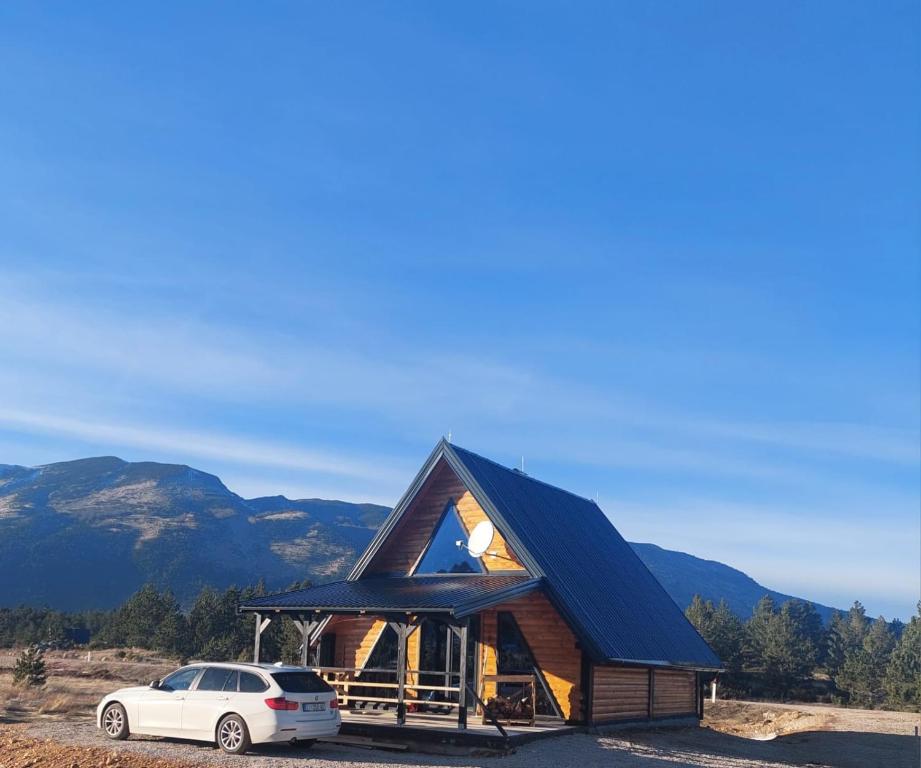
(667, 252)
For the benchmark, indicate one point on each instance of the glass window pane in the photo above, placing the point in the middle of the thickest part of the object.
(514, 658)
(250, 683)
(214, 679)
(181, 680)
(384, 653)
(301, 682)
(443, 554)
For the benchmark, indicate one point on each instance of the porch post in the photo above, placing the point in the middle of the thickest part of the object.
(307, 626)
(261, 624)
(462, 674)
(402, 634)
(306, 629)
(449, 653)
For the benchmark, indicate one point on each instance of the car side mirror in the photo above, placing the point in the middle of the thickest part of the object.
(154, 684)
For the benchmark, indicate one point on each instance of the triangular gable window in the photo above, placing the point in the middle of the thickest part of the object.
(443, 555)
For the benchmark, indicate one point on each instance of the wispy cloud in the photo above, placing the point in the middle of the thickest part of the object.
(207, 445)
(102, 376)
(415, 389)
(886, 444)
(222, 361)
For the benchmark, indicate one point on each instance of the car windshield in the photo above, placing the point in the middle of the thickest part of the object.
(181, 680)
(300, 682)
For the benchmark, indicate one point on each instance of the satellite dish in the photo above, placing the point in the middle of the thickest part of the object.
(480, 538)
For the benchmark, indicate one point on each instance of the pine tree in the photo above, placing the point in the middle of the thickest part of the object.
(809, 630)
(835, 644)
(700, 614)
(903, 673)
(862, 675)
(148, 619)
(172, 635)
(30, 667)
(855, 626)
(787, 654)
(758, 632)
(727, 636)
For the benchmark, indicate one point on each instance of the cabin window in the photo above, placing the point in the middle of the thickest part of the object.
(380, 667)
(514, 657)
(384, 653)
(441, 662)
(326, 656)
(443, 555)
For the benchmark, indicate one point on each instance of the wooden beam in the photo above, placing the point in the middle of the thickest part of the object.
(462, 670)
(699, 688)
(258, 637)
(651, 706)
(402, 631)
(449, 652)
(307, 626)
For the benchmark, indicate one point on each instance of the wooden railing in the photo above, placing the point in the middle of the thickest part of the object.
(346, 679)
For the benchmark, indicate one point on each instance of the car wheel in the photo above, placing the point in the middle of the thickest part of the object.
(305, 743)
(115, 722)
(233, 735)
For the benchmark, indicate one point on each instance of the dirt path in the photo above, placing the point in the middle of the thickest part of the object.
(18, 750)
(842, 739)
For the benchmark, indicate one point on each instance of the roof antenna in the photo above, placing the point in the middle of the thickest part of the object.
(449, 435)
(522, 465)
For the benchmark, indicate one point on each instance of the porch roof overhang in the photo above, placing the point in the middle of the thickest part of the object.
(457, 596)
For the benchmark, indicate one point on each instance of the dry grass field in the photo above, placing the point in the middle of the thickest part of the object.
(76, 682)
(53, 727)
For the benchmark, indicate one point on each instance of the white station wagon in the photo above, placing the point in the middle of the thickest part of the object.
(234, 705)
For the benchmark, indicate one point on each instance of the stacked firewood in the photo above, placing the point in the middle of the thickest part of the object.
(511, 707)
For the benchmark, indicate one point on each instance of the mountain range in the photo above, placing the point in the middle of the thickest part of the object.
(87, 533)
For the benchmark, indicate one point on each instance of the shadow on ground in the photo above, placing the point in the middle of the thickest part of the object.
(840, 749)
(672, 748)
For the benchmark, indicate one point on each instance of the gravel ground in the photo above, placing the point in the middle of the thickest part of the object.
(853, 739)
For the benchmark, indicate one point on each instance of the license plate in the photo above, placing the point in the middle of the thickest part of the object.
(313, 706)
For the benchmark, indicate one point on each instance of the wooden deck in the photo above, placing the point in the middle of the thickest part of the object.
(426, 732)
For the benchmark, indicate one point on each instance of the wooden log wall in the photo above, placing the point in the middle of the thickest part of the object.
(402, 549)
(622, 693)
(471, 513)
(551, 642)
(675, 693)
(355, 638)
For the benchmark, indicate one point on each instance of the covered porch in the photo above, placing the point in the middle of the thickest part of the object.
(421, 668)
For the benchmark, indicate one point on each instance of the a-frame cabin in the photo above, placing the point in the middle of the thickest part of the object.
(559, 604)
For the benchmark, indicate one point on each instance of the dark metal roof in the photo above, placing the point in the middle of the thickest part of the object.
(458, 595)
(612, 601)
